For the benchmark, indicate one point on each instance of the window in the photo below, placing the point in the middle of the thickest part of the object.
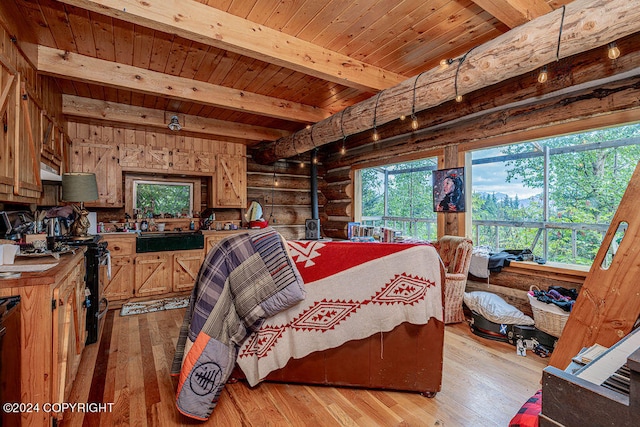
(400, 196)
(556, 196)
(163, 197)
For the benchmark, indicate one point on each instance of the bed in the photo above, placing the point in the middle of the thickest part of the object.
(372, 317)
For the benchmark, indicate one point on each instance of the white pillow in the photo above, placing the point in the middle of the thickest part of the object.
(493, 308)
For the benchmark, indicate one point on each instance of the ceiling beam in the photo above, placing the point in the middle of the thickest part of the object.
(87, 108)
(72, 66)
(205, 24)
(587, 24)
(513, 13)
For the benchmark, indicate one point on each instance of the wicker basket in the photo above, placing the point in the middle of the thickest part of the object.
(548, 318)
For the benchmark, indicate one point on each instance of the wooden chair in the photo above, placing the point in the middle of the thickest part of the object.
(455, 253)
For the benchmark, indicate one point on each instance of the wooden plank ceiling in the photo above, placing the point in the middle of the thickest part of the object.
(249, 70)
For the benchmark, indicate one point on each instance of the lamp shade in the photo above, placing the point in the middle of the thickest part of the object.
(79, 187)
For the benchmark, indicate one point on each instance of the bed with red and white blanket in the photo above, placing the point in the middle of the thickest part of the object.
(372, 317)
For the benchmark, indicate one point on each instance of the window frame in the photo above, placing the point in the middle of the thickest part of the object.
(195, 182)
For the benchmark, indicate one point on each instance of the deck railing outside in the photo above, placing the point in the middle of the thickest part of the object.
(506, 234)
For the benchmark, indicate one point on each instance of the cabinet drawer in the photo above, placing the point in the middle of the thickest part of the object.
(122, 246)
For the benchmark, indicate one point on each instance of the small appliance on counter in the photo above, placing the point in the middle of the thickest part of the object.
(13, 225)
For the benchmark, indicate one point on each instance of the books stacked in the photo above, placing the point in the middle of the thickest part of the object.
(369, 233)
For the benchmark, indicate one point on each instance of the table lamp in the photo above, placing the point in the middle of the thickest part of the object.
(79, 187)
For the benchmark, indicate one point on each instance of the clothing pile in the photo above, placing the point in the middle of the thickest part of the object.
(503, 258)
(562, 297)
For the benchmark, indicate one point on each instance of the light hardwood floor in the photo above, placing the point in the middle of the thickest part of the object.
(484, 384)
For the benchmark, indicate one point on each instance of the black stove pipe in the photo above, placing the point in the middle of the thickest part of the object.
(314, 184)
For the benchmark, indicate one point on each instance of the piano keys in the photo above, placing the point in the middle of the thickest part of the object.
(605, 392)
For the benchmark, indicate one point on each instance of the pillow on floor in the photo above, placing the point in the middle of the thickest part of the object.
(495, 309)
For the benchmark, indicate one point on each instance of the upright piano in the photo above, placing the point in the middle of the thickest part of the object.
(605, 392)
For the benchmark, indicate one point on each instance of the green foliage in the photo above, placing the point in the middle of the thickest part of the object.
(163, 198)
(584, 187)
(409, 196)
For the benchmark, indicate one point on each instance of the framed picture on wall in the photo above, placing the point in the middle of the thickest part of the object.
(448, 190)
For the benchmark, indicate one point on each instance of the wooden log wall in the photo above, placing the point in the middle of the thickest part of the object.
(288, 204)
(569, 102)
(495, 115)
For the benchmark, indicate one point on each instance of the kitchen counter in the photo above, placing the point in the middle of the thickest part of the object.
(53, 333)
(51, 276)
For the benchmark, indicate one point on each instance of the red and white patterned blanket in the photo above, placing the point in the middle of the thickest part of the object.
(354, 290)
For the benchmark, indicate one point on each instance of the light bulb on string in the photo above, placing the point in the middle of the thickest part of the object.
(445, 62)
(414, 122)
(402, 117)
(543, 75)
(343, 149)
(414, 119)
(613, 52)
(458, 98)
(375, 136)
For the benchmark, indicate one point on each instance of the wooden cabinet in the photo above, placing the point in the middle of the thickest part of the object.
(103, 159)
(229, 183)
(211, 238)
(137, 275)
(120, 286)
(153, 274)
(52, 151)
(144, 158)
(52, 329)
(186, 265)
(19, 142)
(69, 331)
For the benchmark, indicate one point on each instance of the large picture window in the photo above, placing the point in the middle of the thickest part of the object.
(555, 196)
(400, 196)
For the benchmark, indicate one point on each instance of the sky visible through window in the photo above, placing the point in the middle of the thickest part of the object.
(492, 177)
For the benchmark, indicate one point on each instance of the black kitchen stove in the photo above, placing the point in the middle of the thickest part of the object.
(96, 255)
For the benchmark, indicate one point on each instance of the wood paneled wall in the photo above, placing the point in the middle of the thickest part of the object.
(99, 134)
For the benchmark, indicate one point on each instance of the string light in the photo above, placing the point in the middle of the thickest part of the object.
(543, 75)
(314, 157)
(376, 137)
(296, 150)
(275, 178)
(444, 63)
(564, 8)
(455, 82)
(414, 119)
(343, 149)
(612, 51)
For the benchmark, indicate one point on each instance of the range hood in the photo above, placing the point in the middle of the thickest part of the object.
(47, 173)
